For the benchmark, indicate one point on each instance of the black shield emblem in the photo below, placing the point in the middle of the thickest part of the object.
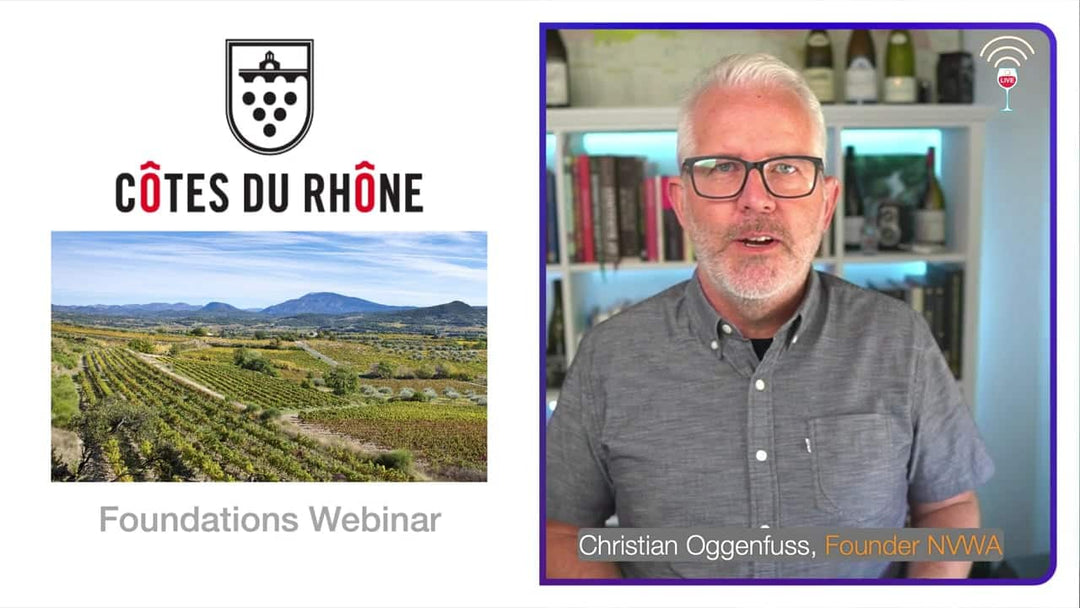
(268, 92)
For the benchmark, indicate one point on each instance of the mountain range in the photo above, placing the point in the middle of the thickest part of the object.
(326, 303)
(322, 303)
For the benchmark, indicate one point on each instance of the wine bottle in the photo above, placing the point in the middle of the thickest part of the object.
(861, 77)
(556, 339)
(900, 84)
(558, 71)
(853, 204)
(930, 217)
(818, 71)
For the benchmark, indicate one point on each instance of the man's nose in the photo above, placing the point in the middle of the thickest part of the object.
(755, 197)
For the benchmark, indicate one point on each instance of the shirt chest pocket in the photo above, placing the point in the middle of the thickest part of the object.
(855, 471)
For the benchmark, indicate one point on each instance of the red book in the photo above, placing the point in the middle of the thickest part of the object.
(652, 241)
(587, 246)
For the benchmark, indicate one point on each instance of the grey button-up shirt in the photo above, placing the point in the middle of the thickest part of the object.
(668, 419)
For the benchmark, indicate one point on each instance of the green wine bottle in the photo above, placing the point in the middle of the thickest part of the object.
(900, 84)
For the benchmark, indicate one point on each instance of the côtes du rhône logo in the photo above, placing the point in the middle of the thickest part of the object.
(268, 92)
(268, 104)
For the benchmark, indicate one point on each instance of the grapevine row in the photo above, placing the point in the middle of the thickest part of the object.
(201, 437)
(255, 388)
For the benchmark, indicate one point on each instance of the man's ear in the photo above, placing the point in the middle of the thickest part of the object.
(831, 187)
(677, 193)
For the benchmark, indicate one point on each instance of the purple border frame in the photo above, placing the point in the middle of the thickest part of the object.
(544, 580)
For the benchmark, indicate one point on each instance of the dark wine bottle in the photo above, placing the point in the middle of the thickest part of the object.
(558, 71)
(818, 71)
(853, 203)
(900, 84)
(861, 76)
(556, 343)
(556, 338)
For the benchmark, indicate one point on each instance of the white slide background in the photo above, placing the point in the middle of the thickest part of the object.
(448, 89)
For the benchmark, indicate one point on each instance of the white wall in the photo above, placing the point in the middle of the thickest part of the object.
(1013, 394)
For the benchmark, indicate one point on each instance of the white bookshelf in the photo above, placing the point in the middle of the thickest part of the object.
(961, 177)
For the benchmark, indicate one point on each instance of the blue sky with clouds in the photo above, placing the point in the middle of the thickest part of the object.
(259, 269)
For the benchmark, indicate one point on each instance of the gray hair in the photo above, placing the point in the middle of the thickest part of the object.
(760, 70)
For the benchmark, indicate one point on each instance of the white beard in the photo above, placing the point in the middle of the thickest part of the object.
(752, 280)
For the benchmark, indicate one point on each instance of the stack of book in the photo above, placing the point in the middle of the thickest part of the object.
(939, 297)
(615, 209)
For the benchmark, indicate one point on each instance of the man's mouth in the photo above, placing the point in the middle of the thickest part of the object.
(758, 241)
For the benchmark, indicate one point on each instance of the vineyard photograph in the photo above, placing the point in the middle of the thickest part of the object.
(259, 356)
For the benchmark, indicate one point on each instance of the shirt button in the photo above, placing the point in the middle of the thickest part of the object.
(759, 384)
(714, 345)
(764, 525)
(761, 455)
(725, 328)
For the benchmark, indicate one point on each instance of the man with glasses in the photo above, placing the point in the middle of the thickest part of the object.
(760, 393)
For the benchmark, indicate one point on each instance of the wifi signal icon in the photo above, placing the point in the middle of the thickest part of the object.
(1007, 76)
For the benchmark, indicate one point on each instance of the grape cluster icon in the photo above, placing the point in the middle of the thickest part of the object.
(270, 102)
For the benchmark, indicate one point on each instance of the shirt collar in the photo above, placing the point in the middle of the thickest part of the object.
(706, 323)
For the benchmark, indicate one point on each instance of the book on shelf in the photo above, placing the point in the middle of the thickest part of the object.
(598, 220)
(939, 298)
(651, 217)
(951, 285)
(937, 304)
(647, 213)
(584, 211)
(616, 208)
(629, 173)
(552, 221)
(608, 191)
(569, 209)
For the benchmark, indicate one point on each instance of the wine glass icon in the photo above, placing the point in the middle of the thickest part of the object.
(1006, 78)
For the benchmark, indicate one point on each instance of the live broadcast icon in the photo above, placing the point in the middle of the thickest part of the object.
(1007, 77)
(268, 92)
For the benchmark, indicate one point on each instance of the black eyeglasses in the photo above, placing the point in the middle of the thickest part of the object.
(725, 176)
